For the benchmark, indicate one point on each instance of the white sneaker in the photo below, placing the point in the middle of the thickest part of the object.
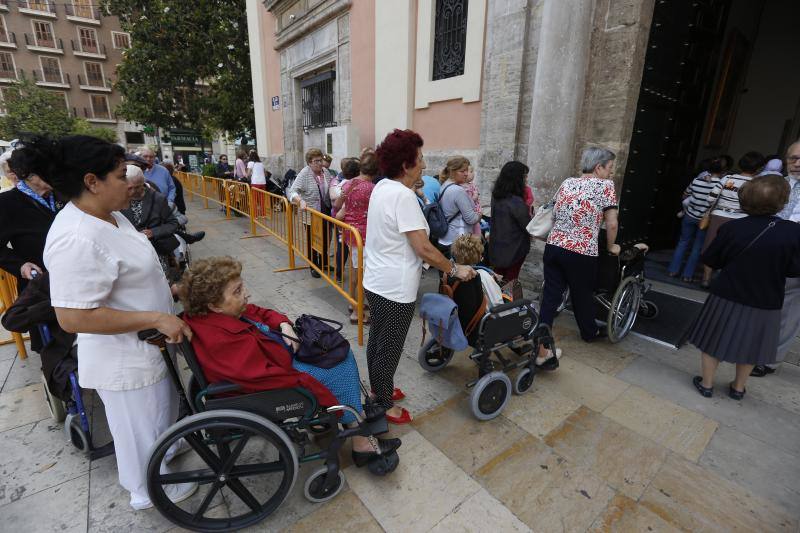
(179, 449)
(176, 493)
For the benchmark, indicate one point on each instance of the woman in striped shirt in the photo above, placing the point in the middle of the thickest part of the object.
(724, 196)
(692, 237)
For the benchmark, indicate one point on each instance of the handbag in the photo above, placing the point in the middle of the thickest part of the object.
(543, 220)
(706, 220)
(319, 343)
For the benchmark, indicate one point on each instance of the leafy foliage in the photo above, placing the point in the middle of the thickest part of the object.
(188, 65)
(83, 127)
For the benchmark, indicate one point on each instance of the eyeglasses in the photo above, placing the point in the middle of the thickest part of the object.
(316, 160)
(793, 158)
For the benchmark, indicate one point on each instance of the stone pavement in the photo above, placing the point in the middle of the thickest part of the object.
(616, 439)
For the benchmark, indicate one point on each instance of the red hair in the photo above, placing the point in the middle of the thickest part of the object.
(398, 148)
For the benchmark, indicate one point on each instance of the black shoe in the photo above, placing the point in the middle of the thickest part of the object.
(192, 238)
(759, 371)
(706, 392)
(735, 394)
(602, 333)
(315, 274)
(386, 445)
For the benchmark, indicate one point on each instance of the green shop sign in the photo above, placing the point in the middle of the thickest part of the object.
(184, 138)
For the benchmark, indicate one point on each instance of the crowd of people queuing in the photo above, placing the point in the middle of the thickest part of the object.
(105, 225)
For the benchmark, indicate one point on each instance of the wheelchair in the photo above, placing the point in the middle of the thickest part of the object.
(251, 446)
(513, 326)
(620, 291)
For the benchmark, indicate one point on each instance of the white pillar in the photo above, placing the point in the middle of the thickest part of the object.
(558, 91)
(258, 68)
(394, 55)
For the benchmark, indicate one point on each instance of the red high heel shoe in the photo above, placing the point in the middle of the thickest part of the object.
(404, 418)
(398, 395)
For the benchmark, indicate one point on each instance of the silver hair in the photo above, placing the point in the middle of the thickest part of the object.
(593, 156)
(133, 173)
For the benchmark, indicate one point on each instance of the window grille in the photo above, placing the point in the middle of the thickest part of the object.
(100, 106)
(121, 40)
(88, 40)
(51, 70)
(318, 101)
(7, 66)
(449, 38)
(44, 34)
(94, 74)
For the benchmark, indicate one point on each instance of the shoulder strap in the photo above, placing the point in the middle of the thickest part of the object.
(751, 243)
(476, 319)
(441, 195)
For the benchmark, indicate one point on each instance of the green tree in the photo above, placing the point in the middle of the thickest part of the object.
(31, 109)
(83, 127)
(188, 65)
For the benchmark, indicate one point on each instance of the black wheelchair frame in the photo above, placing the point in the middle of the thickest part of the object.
(287, 419)
(491, 391)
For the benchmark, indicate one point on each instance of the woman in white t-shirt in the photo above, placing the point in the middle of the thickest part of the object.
(397, 244)
(258, 179)
(106, 284)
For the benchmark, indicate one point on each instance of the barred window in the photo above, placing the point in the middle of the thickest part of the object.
(7, 66)
(88, 39)
(44, 34)
(51, 70)
(449, 38)
(120, 39)
(100, 106)
(318, 100)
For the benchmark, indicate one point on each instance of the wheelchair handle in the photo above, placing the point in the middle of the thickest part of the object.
(150, 335)
(510, 305)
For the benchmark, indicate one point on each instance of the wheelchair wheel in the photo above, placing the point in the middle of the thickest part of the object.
(561, 305)
(624, 308)
(648, 310)
(314, 490)
(237, 457)
(490, 395)
(433, 356)
(54, 403)
(523, 381)
(77, 436)
(385, 464)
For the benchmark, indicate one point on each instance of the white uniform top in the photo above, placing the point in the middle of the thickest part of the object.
(392, 267)
(258, 177)
(94, 264)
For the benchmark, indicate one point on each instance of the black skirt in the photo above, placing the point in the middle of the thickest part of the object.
(736, 333)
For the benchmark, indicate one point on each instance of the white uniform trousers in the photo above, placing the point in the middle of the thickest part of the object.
(790, 318)
(136, 419)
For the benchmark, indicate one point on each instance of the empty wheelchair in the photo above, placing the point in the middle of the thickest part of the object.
(507, 339)
(248, 448)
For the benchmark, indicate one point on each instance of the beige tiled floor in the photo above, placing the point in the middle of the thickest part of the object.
(615, 440)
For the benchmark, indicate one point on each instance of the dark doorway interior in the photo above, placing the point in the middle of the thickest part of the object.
(716, 80)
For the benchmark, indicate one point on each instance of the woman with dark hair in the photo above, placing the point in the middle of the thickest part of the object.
(397, 244)
(509, 241)
(724, 199)
(106, 284)
(741, 319)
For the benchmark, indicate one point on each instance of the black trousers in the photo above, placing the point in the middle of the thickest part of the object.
(319, 259)
(562, 269)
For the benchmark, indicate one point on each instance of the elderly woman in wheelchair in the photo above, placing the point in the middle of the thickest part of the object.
(258, 411)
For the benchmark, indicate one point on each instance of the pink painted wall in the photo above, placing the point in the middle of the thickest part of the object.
(362, 68)
(450, 124)
(272, 60)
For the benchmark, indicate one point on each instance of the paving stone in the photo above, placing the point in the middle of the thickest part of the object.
(770, 473)
(37, 457)
(5, 368)
(467, 441)
(24, 372)
(344, 513)
(625, 460)
(22, 406)
(602, 356)
(61, 508)
(624, 514)
(7, 351)
(480, 512)
(539, 412)
(694, 499)
(424, 489)
(219, 511)
(775, 426)
(582, 383)
(679, 429)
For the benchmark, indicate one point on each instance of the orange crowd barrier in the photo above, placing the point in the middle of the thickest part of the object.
(8, 294)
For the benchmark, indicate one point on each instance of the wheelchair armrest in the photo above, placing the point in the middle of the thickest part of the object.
(221, 387)
(510, 305)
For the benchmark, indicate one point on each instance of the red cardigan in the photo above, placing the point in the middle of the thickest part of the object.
(229, 349)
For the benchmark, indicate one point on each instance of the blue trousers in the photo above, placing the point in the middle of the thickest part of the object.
(692, 237)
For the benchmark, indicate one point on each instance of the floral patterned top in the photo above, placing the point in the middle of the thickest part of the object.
(358, 192)
(578, 213)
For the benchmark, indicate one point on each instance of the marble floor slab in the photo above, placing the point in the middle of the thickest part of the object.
(7, 351)
(343, 514)
(5, 368)
(624, 514)
(581, 383)
(22, 406)
(625, 460)
(425, 488)
(679, 429)
(480, 512)
(694, 499)
(602, 356)
(539, 412)
(24, 372)
(60, 508)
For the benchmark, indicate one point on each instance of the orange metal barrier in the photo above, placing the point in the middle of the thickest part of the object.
(8, 294)
(238, 199)
(312, 236)
(271, 213)
(214, 189)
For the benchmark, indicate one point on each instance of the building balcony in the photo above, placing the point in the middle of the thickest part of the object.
(49, 47)
(9, 40)
(51, 78)
(83, 14)
(96, 52)
(40, 8)
(3, 5)
(104, 118)
(8, 76)
(94, 84)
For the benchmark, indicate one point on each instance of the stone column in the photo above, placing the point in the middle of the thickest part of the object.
(258, 66)
(395, 28)
(558, 92)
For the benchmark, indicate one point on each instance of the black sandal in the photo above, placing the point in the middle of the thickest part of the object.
(386, 446)
(706, 392)
(735, 394)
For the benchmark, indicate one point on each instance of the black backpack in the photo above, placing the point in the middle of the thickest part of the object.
(434, 214)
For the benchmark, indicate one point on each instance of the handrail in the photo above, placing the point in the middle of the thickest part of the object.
(8, 294)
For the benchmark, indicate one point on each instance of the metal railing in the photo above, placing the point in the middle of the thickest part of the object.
(308, 235)
(8, 294)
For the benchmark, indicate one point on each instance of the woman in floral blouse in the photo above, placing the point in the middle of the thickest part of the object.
(570, 256)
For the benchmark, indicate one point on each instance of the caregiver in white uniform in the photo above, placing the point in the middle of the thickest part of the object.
(106, 284)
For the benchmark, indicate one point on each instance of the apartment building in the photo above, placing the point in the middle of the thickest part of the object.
(68, 47)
